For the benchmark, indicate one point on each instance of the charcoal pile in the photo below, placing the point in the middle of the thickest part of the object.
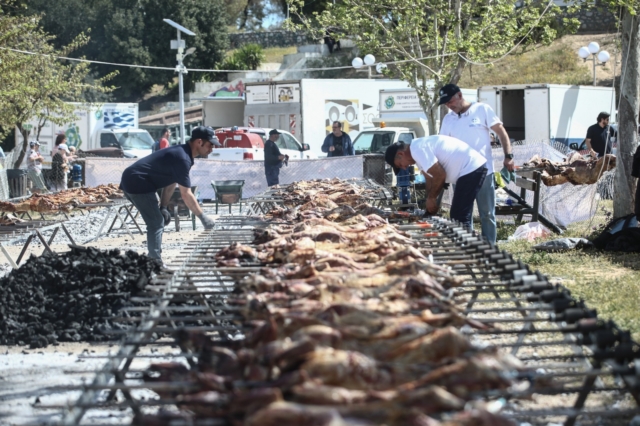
(348, 322)
(70, 297)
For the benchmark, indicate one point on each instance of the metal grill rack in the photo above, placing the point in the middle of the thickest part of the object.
(268, 200)
(585, 370)
(11, 234)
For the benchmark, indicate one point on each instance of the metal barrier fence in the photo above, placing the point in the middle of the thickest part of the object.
(109, 170)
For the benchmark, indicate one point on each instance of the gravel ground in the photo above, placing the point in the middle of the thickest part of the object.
(31, 379)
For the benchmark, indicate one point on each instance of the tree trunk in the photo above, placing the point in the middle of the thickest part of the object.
(23, 148)
(628, 110)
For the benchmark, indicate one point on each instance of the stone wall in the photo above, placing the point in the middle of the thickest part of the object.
(595, 21)
(270, 39)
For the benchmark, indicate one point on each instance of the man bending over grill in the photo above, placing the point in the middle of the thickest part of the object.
(443, 159)
(164, 169)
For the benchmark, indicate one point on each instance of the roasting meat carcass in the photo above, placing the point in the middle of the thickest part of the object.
(347, 322)
(63, 200)
(576, 169)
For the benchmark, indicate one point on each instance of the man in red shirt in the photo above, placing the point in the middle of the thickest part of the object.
(164, 139)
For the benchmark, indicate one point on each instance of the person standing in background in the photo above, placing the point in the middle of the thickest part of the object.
(34, 166)
(600, 136)
(60, 163)
(337, 143)
(164, 139)
(472, 123)
(273, 159)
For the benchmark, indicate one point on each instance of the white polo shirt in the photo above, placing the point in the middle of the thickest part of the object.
(472, 127)
(456, 157)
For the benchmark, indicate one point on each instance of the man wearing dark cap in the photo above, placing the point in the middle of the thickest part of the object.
(443, 159)
(472, 123)
(164, 169)
(600, 136)
(273, 159)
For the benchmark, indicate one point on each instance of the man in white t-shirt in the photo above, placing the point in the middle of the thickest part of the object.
(472, 123)
(443, 159)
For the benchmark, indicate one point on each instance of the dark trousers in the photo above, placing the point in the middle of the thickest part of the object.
(464, 195)
(147, 205)
(273, 175)
(637, 209)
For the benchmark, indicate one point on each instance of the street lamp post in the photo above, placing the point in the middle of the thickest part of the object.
(593, 53)
(179, 45)
(368, 61)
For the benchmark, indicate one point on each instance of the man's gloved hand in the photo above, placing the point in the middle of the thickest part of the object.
(286, 160)
(207, 222)
(419, 213)
(166, 215)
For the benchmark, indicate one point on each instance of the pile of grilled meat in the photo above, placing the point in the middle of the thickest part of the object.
(64, 200)
(348, 322)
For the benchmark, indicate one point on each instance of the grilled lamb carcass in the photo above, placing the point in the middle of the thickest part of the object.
(576, 169)
(477, 373)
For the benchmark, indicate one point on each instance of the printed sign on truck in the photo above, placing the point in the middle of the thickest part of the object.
(343, 110)
(400, 101)
(286, 93)
(258, 94)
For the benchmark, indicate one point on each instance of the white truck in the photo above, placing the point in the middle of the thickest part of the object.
(372, 143)
(553, 112)
(305, 108)
(404, 103)
(101, 126)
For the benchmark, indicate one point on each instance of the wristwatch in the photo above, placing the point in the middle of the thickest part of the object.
(509, 156)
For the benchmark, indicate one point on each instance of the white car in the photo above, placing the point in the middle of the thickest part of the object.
(287, 143)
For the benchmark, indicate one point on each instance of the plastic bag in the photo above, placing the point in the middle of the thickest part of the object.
(562, 244)
(530, 231)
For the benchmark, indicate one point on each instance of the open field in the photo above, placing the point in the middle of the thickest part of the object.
(609, 282)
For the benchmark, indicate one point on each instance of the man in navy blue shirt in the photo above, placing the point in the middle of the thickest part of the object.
(164, 169)
(273, 159)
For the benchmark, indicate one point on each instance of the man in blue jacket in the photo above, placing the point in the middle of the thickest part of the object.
(337, 143)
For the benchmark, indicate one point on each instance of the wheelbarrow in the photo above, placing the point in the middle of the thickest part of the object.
(228, 192)
(180, 210)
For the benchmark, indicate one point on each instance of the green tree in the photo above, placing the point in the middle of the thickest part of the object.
(133, 32)
(251, 55)
(38, 85)
(435, 38)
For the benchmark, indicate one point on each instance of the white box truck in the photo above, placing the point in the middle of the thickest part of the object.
(554, 112)
(100, 126)
(404, 103)
(305, 108)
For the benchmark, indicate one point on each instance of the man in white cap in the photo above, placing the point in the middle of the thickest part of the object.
(472, 123)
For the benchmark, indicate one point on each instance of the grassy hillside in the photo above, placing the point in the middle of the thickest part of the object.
(558, 64)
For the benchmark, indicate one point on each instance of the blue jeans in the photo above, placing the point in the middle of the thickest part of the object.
(149, 208)
(486, 200)
(273, 175)
(465, 192)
